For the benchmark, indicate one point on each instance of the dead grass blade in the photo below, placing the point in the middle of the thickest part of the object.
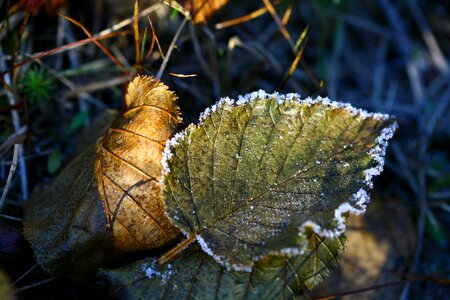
(279, 22)
(12, 170)
(152, 45)
(288, 13)
(64, 48)
(136, 33)
(253, 15)
(169, 51)
(96, 42)
(15, 138)
(302, 41)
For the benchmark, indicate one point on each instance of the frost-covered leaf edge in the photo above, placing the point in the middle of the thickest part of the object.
(361, 197)
(150, 269)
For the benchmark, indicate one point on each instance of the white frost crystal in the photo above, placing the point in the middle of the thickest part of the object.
(151, 271)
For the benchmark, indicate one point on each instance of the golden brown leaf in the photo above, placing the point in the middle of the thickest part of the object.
(108, 198)
(130, 166)
(202, 9)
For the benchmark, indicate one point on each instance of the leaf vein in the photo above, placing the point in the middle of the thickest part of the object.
(138, 204)
(160, 144)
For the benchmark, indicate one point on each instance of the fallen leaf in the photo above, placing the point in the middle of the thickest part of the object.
(108, 197)
(202, 10)
(130, 167)
(65, 222)
(195, 275)
(257, 172)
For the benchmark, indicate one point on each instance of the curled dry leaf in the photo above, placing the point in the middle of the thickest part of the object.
(202, 9)
(254, 174)
(131, 167)
(107, 198)
(195, 275)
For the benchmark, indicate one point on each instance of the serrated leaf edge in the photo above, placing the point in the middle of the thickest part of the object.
(361, 197)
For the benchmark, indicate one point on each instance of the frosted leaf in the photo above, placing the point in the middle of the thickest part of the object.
(195, 275)
(256, 173)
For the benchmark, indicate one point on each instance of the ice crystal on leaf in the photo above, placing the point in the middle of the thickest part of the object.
(195, 275)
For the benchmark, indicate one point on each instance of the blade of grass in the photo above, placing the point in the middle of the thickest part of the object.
(19, 39)
(15, 138)
(79, 90)
(287, 14)
(253, 15)
(136, 34)
(152, 45)
(96, 42)
(277, 19)
(63, 48)
(7, 83)
(436, 53)
(142, 46)
(12, 170)
(178, 7)
(171, 47)
(24, 274)
(128, 21)
(156, 37)
(302, 40)
(182, 75)
(27, 287)
(297, 60)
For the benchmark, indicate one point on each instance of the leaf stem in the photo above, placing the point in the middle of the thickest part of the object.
(168, 256)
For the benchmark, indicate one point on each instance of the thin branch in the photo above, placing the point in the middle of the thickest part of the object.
(18, 290)
(97, 43)
(253, 15)
(156, 37)
(128, 21)
(24, 274)
(16, 123)
(436, 54)
(15, 138)
(171, 47)
(61, 49)
(11, 218)
(12, 169)
(80, 90)
(279, 22)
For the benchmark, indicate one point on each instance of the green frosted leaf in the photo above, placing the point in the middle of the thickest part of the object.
(255, 173)
(195, 275)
